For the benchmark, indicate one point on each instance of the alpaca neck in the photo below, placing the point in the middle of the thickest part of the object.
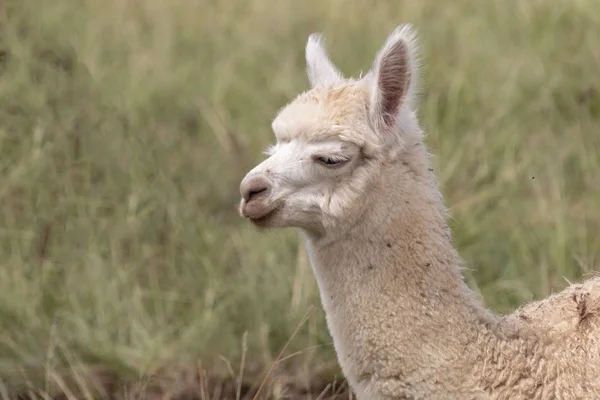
(391, 286)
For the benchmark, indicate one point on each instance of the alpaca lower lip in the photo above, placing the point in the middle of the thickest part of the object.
(254, 210)
(260, 220)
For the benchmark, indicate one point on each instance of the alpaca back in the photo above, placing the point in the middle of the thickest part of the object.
(574, 310)
(568, 323)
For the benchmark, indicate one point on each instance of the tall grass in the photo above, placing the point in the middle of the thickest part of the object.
(126, 126)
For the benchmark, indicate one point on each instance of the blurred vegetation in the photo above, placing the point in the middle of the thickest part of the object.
(126, 126)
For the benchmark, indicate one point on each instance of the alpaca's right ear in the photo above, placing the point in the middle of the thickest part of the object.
(320, 69)
(394, 78)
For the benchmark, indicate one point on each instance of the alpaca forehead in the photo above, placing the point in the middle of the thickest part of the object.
(299, 147)
(323, 113)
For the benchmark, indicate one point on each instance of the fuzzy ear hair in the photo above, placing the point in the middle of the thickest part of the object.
(394, 77)
(320, 69)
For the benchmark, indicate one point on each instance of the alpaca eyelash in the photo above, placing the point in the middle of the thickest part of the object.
(330, 161)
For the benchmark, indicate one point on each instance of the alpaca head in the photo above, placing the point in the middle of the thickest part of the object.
(334, 140)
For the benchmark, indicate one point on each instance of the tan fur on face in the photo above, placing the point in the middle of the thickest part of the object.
(332, 111)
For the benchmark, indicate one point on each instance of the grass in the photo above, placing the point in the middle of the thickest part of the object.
(126, 126)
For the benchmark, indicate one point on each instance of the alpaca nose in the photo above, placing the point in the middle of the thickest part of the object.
(253, 187)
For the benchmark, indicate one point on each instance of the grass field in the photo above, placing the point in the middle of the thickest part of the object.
(126, 126)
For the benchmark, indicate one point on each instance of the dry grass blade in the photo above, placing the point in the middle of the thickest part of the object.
(3, 392)
(322, 395)
(300, 324)
(240, 377)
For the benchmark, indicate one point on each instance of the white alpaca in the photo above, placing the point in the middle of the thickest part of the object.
(351, 170)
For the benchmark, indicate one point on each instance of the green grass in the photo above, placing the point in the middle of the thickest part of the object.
(126, 126)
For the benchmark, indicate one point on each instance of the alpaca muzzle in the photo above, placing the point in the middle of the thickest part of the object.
(255, 191)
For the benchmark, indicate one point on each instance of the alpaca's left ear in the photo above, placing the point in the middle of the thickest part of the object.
(393, 78)
(319, 67)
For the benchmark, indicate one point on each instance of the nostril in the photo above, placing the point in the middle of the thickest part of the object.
(254, 187)
(254, 192)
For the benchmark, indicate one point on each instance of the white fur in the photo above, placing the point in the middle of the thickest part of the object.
(320, 69)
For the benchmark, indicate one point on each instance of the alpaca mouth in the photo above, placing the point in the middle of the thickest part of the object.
(264, 219)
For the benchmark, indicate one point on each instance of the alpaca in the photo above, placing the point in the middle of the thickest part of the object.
(351, 170)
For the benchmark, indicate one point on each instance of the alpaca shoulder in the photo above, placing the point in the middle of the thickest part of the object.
(574, 309)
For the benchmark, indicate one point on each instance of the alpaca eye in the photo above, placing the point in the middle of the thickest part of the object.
(330, 161)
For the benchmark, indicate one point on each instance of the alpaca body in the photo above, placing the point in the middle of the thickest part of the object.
(351, 170)
(420, 333)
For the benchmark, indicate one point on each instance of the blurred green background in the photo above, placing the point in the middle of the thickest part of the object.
(126, 126)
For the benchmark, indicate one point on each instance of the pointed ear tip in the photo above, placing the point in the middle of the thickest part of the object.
(405, 30)
(405, 33)
(314, 38)
(405, 36)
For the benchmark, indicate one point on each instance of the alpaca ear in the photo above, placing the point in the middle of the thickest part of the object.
(393, 78)
(320, 69)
